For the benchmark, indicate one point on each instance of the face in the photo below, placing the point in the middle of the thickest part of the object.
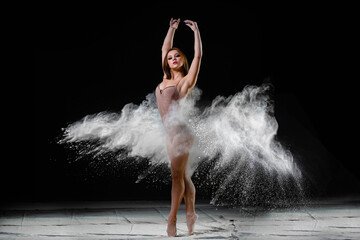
(174, 59)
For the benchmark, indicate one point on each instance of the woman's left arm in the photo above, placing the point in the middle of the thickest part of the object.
(191, 77)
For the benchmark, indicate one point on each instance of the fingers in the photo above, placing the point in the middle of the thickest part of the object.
(175, 23)
(189, 21)
(172, 20)
(191, 24)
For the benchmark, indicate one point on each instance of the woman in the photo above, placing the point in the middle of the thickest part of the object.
(177, 82)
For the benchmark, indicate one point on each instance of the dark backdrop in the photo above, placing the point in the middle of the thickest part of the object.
(87, 63)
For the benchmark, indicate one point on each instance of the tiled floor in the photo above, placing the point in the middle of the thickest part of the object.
(330, 219)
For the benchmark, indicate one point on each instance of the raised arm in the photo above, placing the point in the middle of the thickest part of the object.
(191, 78)
(169, 38)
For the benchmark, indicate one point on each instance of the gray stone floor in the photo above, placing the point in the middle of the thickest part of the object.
(326, 219)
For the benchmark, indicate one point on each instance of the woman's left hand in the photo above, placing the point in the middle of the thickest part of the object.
(191, 24)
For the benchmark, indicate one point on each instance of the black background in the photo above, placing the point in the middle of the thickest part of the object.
(85, 63)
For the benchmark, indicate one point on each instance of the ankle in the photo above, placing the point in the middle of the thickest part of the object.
(190, 214)
(172, 219)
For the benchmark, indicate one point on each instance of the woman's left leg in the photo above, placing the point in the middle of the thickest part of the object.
(189, 197)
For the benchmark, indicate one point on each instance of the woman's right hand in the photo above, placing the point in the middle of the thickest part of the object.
(174, 23)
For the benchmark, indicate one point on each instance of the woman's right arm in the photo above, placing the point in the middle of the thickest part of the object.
(168, 41)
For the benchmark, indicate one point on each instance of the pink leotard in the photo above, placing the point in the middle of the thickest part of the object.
(165, 97)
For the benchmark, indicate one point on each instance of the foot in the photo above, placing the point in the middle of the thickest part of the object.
(190, 222)
(171, 228)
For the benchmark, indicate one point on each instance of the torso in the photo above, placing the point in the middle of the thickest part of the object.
(165, 97)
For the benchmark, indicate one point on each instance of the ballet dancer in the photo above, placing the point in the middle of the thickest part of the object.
(177, 82)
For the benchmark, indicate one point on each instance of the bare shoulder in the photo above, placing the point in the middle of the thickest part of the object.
(163, 80)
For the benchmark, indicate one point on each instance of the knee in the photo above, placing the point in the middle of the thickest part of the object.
(177, 175)
(182, 144)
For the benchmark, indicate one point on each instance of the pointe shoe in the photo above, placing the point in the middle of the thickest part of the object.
(171, 229)
(190, 222)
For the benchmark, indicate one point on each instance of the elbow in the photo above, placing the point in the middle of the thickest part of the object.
(165, 48)
(198, 54)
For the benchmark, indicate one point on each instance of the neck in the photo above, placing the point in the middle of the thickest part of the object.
(176, 75)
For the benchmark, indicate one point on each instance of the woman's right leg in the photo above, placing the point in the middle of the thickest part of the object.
(178, 164)
(178, 149)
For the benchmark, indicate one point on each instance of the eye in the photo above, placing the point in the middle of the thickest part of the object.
(177, 55)
(169, 58)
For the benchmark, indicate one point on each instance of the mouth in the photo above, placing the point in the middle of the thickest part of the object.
(175, 63)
